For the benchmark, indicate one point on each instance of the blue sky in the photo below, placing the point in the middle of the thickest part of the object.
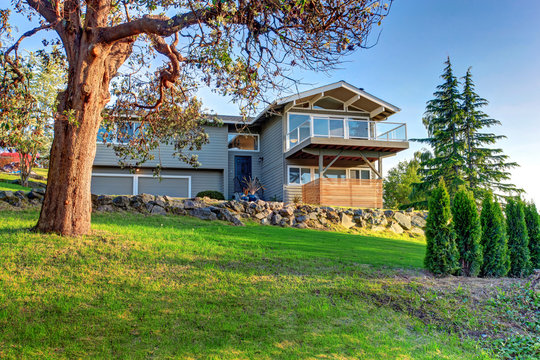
(499, 39)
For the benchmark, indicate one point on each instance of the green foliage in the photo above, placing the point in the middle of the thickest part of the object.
(518, 239)
(533, 229)
(468, 231)
(486, 168)
(397, 185)
(441, 253)
(461, 154)
(443, 120)
(496, 261)
(212, 194)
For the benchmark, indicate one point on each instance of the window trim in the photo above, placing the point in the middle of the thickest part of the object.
(244, 150)
(314, 168)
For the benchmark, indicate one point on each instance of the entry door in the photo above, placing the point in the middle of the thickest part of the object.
(242, 170)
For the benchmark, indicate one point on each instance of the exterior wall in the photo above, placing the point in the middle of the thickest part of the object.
(201, 179)
(211, 155)
(272, 149)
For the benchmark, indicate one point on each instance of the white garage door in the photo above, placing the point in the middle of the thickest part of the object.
(128, 184)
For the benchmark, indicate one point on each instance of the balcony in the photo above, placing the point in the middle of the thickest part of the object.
(315, 131)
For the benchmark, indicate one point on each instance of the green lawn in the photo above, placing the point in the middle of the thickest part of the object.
(177, 287)
(5, 186)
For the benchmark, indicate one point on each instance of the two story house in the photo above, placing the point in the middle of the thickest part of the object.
(321, 146)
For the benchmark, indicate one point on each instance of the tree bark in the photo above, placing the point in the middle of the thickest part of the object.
(67, 204)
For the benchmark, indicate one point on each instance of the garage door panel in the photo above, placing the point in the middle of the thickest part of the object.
(175, 187)
(112, 185)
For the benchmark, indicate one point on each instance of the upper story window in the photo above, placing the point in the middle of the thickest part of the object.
(243, 142)
(120, 133)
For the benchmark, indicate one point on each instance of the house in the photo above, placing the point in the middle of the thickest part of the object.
(337, 130)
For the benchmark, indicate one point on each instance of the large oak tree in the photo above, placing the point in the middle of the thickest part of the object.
(241, 49)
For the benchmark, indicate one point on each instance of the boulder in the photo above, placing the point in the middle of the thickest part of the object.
(403, 220)
(121, 201)
(418, 231)
(160, 200)
(104, 200)
(287, 211)
(10, 198)
(418, 221)
(203, 213)
(226, 215)
(301, 225)
(346, 221)
(276, 219)
(32, 195)
(265, 221)
(396, 228)
(235, 206)
(20, 194)
(39, 190)
(191, 204)
(301, 218)
(157, 210)
(105, 208)
(389, 213)
(332, 215)
(378, 228)
(263, 214)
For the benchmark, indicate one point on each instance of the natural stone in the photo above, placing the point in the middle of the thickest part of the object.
(378, 228)
(203, 214)
(417, 231)
(276, 219)
(104, 200)
(346, 221)
(396, 228)
(403, 220)
(121, 201)
(418, 221)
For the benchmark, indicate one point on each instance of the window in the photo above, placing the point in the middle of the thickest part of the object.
(299, 129)
(358, 129)
(299, 176)
(360, 174)
(335, 174)
(119, 133)
(246, 142)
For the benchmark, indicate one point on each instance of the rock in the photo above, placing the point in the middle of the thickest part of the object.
(265, 221)
(346, 221)
(121, 201)
(418, 221)
(378, 228)
(301, 225)
(403, 220)
(20, 194)
(203, 213)
(388, 213)
(32, 195)
(287, 211)
(358, 212)
(235, 206)
(263, 214)
(396, 228)
(409, 210)
(104, 208)
(226, 215)
(276, 219)
(332, 215)
(301, 219)
(190, 204)
(418, 231)
(10, 198)
(104, 200)
(39, 190)
(176, 207)
(286, 222)
(160, 200)
(158, 210)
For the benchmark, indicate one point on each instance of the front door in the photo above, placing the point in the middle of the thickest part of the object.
(242, 171)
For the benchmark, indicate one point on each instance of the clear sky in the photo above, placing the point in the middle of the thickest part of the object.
(500, 39)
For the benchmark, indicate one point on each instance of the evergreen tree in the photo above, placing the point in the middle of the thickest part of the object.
(441, 253)
(533, 229)
(486, 168)
(518, 239)
(496, 262)
(468, 232)
(443, 121)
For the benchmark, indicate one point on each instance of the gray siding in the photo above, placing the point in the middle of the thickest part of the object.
(201, 180)
(291, 192)
(255, 167)
(211, 156)
(102, 185)
(164, 186)
(272, 176)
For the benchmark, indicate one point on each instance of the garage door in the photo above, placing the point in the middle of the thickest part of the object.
(112, 185)
(176, 187)
(127, 184)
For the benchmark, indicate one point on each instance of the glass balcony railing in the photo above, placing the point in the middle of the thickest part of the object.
(342, 127)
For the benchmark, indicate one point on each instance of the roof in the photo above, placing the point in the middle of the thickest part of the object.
(341, 90)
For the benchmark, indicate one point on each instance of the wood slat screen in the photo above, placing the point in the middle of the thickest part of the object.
(344, 192)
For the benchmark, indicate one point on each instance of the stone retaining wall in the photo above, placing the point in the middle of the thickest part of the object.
(235, 212)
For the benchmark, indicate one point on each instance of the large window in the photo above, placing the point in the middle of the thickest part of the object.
(120, 133)
(360, 174)
(299, 127)
(245, 142)
(298, 175)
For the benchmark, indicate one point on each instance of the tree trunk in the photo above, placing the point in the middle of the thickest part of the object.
(67, 204)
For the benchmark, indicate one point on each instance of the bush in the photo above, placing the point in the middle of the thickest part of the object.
(533, 229)
(518, 239)
(468, 232)
(212, 194)
(496, 262)
(441, 253)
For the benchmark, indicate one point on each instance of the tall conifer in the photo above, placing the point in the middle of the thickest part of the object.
(441, 252)
(496, 261)
(443, 121)
(468, 232)
(518, 239)
(485, 168)
(533, 229)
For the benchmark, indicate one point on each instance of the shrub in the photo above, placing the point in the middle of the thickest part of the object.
(533, 229)
(212, 194)
(441, 253)
(496, 262)
(518, 239)
(468, 232)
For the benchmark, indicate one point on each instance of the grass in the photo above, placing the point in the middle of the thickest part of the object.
(177, 287)
(5, 178)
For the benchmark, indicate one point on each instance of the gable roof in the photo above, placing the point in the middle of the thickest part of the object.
(341, 90)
